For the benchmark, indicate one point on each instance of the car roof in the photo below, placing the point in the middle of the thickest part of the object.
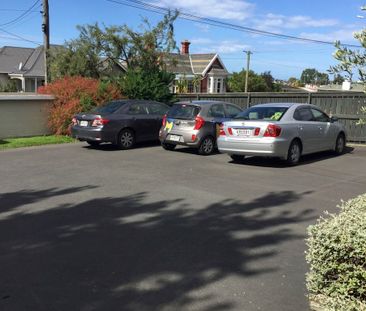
(288, 105)
(200, 102)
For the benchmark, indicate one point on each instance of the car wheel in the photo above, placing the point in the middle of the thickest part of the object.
(207, 146)
(126, 139)
(237, 157)
(340, 144)
(294, 153)
(167, 146)
(93, 143)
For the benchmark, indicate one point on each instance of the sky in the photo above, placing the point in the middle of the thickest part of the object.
(325, 20)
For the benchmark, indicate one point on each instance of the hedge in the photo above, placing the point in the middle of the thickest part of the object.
(337, 257)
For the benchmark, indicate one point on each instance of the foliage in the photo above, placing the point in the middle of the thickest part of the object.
(10, 143)
(154, 85)
(362, 121)
(98, 50)
(10, 86)
(269, 80)
(74, 95)
(313, 76)
(338, 79)
(256, 83)
(294, 82)
(337, 256)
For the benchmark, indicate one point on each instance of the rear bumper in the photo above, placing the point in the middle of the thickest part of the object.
(271, 147)
(91, 134)
(185, 138)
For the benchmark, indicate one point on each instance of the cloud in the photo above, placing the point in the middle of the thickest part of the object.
(343, 35)
(204, 45)
(219, 9)
(274, 22)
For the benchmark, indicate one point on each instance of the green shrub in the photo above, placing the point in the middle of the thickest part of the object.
(337, 258)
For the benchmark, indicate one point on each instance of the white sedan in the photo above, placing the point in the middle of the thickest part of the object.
(287, 130)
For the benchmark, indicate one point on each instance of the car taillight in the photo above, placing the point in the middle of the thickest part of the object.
(164, 120)
(256, 131)
(99, 122)
(199, 123)
(272, 130)
(230, 130)
(221, 130)
(74, 121)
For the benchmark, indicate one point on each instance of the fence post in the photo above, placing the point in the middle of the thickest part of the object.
(309, 98)
(248, 99)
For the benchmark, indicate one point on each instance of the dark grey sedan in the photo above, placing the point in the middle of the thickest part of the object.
(120, 122)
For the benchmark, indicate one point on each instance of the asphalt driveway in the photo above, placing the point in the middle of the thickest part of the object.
(148, 229)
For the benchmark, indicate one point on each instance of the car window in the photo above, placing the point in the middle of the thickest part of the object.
(319, 116)
(110, 107)
(303, 114)
(232, 111)
(183, 111)
(137, 108)
(216, 111)
(158, 109)
(267, 113)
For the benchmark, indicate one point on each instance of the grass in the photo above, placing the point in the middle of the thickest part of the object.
(9, 143)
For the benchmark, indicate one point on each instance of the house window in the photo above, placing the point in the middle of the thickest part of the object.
(190, 87)
(218, 85)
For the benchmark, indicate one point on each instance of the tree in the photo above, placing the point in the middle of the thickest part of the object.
(256, 83)
(308, 76)
(97, 49)
(322, 78)
(338, 79)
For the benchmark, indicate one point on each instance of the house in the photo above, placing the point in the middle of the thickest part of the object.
(23, 65)
(201, 73)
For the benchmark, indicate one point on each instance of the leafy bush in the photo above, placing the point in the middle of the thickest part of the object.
(337, 258)
(9, 86)
(74, 95)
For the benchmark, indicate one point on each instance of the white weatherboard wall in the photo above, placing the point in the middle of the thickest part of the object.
(24, 115)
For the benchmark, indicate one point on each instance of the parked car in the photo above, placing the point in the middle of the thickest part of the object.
(285, 130)
(194, 124)
(120, 122)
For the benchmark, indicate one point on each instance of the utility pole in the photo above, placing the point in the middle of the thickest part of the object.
(247, 72)
(46, 38)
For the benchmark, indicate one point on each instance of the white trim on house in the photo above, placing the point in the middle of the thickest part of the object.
(209, 65)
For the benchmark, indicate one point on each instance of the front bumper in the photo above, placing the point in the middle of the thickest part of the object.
(269, 147)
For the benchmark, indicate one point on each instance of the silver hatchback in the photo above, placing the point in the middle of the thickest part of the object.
(195, 124)
(281, 130)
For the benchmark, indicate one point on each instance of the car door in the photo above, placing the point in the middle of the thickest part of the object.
(156, 112)
(326, 132)
(307, 129)
(140, 120)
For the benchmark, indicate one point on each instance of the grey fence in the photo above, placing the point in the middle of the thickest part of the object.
(344, 105)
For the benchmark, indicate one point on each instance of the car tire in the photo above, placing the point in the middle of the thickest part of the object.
(167, 146)
(126, 139)
(294, 153)
(237, 157)
(340, 144)
(93, 143)
(207, 146)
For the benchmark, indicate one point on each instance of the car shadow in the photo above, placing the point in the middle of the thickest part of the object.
(279, 163)
(193, 151)
(111, 147)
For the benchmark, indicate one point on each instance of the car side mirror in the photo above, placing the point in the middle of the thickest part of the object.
(333, 119)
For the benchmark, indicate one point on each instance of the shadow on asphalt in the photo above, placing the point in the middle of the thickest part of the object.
(111, 147)
(127, 254)
(278, 163)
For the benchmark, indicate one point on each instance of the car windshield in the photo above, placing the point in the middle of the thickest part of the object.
(110, 107)
(183, 111)
(267, 113)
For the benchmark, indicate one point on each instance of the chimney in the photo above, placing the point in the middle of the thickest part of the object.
(185, 47)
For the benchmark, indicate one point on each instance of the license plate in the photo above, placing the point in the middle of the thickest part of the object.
(174, 137)
(244, 132)
(83, 123)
